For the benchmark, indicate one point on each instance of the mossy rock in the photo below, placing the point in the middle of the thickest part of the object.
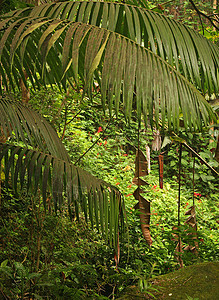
(196, 282)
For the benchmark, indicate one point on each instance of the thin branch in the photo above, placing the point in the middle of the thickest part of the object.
(179, 189)
(200, 158)
(195, 153)
(204, 15)
(130, 142)
(74, 116)
(64, 129)
(193, 181)
(179, 245)
(101, 136)
(67, 123)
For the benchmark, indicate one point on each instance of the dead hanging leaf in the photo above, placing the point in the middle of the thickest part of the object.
(141, 169)
(178, 250)
(141, 165)
(178, 253)
(139, 181)
(191, 211)
(175, 234)
(144, 207)
(136, 206)
(137, 192)
(144, 213)
(191, 221)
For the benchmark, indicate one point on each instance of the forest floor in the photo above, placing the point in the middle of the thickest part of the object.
(196, 282)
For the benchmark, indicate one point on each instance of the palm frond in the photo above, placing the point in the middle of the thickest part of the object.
(57, 51)
(31, 128)
(189, 52)
(69, 186)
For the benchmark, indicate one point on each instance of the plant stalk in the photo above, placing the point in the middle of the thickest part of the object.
(179, 188)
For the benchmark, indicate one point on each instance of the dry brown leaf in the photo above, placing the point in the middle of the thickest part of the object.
(191, 221)
(137, 192)
(141, 165)
(141, 169)
(191, 211)
(144, 206)
(139, 181)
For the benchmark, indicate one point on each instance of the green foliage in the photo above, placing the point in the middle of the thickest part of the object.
(76, 263)
(142, 48)
(204, 144)
(112, 51)
(10, 5)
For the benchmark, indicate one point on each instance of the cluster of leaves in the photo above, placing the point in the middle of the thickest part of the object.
(74, 262)
(55, 255)
(50, 255)
(203, 143)
(196, 14)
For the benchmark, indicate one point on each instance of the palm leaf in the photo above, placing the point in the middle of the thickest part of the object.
(43, 172)
(28, 126)
(159, 86)
(193, 55)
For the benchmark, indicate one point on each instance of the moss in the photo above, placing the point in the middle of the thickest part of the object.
(200, 281)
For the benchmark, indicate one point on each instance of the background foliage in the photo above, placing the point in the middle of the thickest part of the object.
(47, 255)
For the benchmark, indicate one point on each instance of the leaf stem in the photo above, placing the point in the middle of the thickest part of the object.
(179, 188)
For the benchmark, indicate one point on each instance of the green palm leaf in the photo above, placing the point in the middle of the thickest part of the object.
(193, 55)
(89, 48)
(28, 126)
(63, 180)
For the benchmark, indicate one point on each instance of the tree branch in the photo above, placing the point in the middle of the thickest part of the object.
(204, 15)
(101, 136)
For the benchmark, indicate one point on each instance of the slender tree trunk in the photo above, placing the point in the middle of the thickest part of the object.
(148, 158)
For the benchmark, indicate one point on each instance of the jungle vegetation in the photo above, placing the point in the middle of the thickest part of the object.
(85, 88)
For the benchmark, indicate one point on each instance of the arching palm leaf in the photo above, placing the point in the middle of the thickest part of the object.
(56, 51)
(193, 55)
(31, 128)
(100, 202)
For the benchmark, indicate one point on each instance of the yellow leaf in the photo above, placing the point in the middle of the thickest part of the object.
(2, 176)
(127, 168)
